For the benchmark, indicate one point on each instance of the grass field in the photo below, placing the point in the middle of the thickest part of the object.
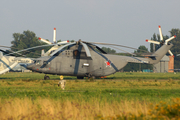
(119, 96)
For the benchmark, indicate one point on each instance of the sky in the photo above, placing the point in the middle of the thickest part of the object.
(122, 22)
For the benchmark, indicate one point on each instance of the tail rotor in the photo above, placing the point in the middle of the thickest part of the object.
(162, 41)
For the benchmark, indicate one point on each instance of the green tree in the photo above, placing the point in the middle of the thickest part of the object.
(25, 40)
(141, 49)
(176, 49)
(108, 50)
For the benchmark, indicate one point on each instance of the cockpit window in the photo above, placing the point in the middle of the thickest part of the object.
(37, 62)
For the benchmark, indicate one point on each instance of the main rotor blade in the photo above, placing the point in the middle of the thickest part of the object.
(45, 41)
(17, 53)
(123, 50)
(63, 42)
(4, 51)
(16, 49)
(96, 47)
(86, 49)
(100, 49)
(59, 43)
(115, 45)
(31, 48)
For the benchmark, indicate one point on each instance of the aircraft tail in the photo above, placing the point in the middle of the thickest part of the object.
(9, 62)
(6, 64)
(159, 54)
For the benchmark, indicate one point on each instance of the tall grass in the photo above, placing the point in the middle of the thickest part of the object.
(45, 108)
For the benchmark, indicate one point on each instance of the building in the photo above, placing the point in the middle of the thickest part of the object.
(165, 65)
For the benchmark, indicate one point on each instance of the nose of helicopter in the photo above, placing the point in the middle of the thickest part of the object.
(30, 66)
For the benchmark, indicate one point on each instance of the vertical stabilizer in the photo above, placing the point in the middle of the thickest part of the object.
(159, 54)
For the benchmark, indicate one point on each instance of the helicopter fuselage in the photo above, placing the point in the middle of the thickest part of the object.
(74, 62)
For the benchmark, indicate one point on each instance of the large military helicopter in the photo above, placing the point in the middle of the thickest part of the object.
(85, 59)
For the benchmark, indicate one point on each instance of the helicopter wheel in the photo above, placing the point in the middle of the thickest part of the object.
(79, 77)
(46, 77)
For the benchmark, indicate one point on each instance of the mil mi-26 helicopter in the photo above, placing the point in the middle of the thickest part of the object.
(85, 59)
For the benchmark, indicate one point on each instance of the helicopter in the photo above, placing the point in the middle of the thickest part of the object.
(86, 59)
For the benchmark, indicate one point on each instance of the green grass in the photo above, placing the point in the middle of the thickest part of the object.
(118, 75)
(120, 86)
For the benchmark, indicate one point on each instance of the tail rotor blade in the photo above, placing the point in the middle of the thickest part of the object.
(170, 53)
(171, 38)
(160, 33)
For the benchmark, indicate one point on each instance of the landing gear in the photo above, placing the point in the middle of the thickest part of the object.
(79, 77)
(62, 82)
(46, 77)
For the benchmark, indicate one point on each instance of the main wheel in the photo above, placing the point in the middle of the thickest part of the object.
(46, 77)
(80, 77)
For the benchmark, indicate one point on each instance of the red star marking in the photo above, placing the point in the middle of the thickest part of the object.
(108, 63)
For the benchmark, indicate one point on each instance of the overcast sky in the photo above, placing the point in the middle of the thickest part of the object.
(125, 22)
